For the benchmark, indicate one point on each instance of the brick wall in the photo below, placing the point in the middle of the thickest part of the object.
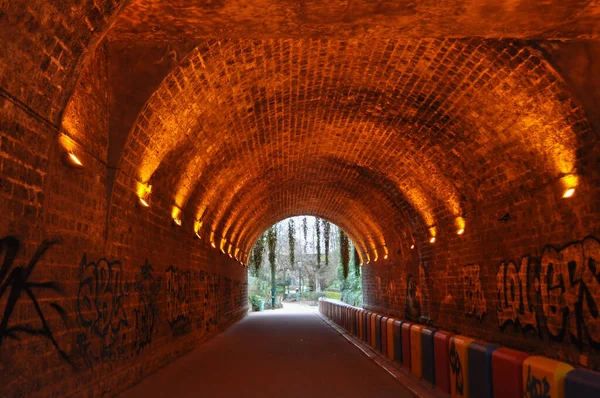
(529, 282)
(121, 294)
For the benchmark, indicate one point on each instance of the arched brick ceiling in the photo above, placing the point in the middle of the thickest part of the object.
(177, 19)
(366, 133)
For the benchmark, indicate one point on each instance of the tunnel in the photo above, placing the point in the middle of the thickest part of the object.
(146, 145)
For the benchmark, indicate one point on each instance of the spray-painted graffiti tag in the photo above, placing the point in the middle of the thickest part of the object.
(15, 283)
(101, 311)
(536, 388)
(147, 288)
(513, 302)
(475, 304)
(569, 284)
(179, 291)
(456, 368)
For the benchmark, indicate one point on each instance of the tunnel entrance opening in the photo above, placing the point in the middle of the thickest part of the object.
(301, 259)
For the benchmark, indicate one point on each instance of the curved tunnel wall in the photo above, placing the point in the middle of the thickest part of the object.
(387, 138)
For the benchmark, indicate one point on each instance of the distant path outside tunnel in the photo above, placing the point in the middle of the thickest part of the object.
(281, 353)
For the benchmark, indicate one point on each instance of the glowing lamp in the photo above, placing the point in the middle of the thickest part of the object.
(212, 239)
(143, 193)
(197, 226)
(568, 193)
(460, 225)
(144, 203)
(74, 160)
(385, 257)
(432, 234)
(177, 221)
(412, 247)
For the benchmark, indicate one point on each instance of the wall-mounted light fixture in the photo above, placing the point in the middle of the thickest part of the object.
(197, 226)
(460, 225)
(74, 160)
(70, 147)
(144, 191)
(368, 258)
(212, 239)
(569, 182)
(412, 246)
(385, 253)
(222, 245)
(176, 215)
(432, 234)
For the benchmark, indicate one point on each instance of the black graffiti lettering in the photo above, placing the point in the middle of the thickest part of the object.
(147, 288)
(475, 304)
(513, 302)
(536, 388)
(212, 304)
(15, 283)
(569, 284)
(456, 368)
(101, 312)
(178, 290)
(413, 304)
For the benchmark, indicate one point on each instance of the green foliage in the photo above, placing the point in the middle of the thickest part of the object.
(333, 295)
(356, 262)
(272, 243)
(318, 231)
(305, 231)
(292, 241)
(312, 296)
(326, 232)
(255, 300)
(257, 255)
(344, 254)
(351, 286)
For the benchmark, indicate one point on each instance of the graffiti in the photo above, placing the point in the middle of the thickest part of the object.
(536, 388)
(179, 290)
(15, 283)
(412, 306)
(227, 306)
(238, 301)
(212, 303)
(475, 305)
(513, 302)
(456, 368)
(569, 283)
(147, 287)
(424, 292)
(100, 312)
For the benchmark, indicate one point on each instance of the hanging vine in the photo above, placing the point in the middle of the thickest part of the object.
(257, 254)
(326, 232)
(292, 241)
(344, 253)
(305, 231)
(318, 230)
(272, 243)
(356, 263)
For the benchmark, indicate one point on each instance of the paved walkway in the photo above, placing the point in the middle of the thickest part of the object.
(281, 353)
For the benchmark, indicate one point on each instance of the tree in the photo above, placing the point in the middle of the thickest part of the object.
(326, 232)
(318, 270)
(257, 255)
(272, 242)
(344, 254)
